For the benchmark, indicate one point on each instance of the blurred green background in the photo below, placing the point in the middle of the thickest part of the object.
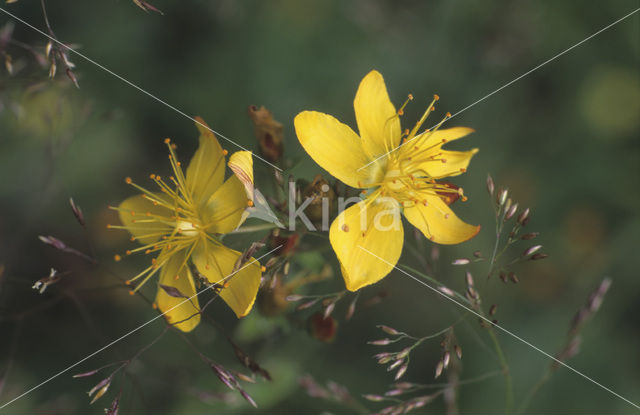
(564, 139)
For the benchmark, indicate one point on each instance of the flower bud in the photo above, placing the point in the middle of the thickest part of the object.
(269, 133)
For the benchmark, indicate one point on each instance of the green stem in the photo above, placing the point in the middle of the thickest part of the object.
(255, 228)
(505, 369)
(527, 400)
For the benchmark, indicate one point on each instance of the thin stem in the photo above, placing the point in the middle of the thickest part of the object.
(532, 392)
(505, 370)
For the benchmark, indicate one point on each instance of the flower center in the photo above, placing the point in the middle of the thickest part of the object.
(187, 228)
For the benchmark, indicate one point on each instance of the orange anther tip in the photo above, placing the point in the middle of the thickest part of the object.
(225, 152)
(448, 114)
(133, 238)
(411, 96)
(117, 258)
(174, 146)
(263, 268)
(128, 252)
(128, 180)
(400, 111)
(108, 226)
(167, 140)
(131, 292)
(433, 108)
(436, 97)
(152, 176)
(154, 306)
(250, 202)
(463, 170)
(127, 282)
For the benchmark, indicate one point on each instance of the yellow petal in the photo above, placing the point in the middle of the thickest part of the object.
(241, 163)
(438, 222)
(177, 308)
(377, 228)
(378, 121)
(334, 146)
(206, 169)
(437, 138)
(133, 214)
(428, 146)
(225, 209)
(216, 262)
(456, 163)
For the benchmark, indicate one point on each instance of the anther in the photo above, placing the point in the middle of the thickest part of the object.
(131, 292)
(167, 141)
(410, 96)
(400, 111)
(128, 252)
(263, 268)
(448, 115)
(463, 170)
(117, 258)
(345, 227)
(154, 306)
(152, 176)
(225, 152)
(128, 180)
(249, 203)
(108, 226)
(436, 97)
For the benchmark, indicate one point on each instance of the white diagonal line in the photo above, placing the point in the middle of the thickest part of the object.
(510, 82)
(135, 86)
(133, 331)
(503, 329)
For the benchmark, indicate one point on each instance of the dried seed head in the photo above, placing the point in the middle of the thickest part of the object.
(329, 309)
(447, 291)
(502, 196)
(529, 236)
(403, 353)
(445, 359)
(523, 218)
(384, 358)
(401, 371)
(458, 351)
(373, 398)
(381, 342)
(531, 250)
(510, 212)
(490, 185)
(536, 257)
(469, 279)
(439, 369)
(389, 330)
(395, 365)
(77, 212)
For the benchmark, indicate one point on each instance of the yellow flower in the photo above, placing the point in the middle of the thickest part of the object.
(396, 178)
(182, 222)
